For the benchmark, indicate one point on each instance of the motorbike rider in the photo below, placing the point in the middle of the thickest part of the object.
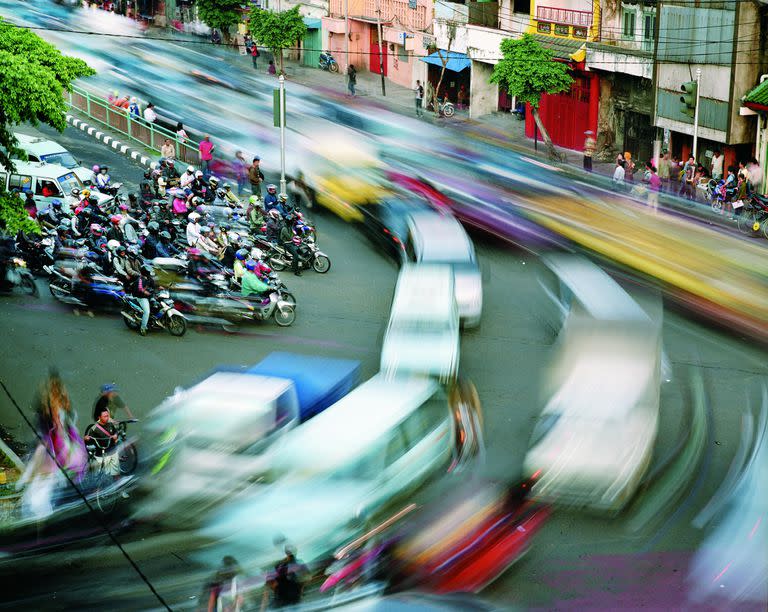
(149, 248)
(274, 223)
(255, 214)
(7, 251)
(286, 238)
(187, 178)
(229, 197)
(238, 268)
(171, 174)
(102, 439)
(147, 187)
(250, 283)
(207, 242)
(142, 287)
(193, 229)
(164, 247)
(210, 192)
(270, 200)
(52, 216)
(103, 179)
(199, 185)
(95, 175)
(114, 232)
(123, 267)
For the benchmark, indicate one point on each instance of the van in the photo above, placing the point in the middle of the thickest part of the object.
(40, 149)
(46, 182)
(334, 473)
(422, 336)
(440, 239)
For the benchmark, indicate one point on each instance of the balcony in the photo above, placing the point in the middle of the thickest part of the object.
(414, 18)
(567, 17)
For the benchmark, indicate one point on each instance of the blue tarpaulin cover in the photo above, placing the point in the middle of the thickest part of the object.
(456, 61)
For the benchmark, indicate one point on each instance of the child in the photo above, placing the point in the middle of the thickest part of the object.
(271, 69)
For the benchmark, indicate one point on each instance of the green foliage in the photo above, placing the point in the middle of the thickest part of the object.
(33, 75)
(277, 31)
(13, 216)
(220, 14)
(528, 70)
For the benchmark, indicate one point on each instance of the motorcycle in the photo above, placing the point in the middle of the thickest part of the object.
(110, 189)
(270, 307)
(38, 253)
(309, 256)
(17, 275)
(326, 62)
(99, 292)
(163, 314)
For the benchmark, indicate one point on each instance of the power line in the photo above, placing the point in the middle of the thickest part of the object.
(82, 496)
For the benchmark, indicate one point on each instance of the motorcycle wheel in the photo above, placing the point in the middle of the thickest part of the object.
(285, 316)
(28, 286)
(289, 298)
(177, 325)
(277, 264)
(129, 459)
(448, 110)
(745, 222)
(130, 322)
(717, 206)
(321, 264)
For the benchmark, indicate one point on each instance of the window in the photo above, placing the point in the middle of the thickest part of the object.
(3, 176)
(402, 54)
(47, 189)
(428, 417)
(629, 25)
(32, 158)
(21, 182)
(649, 31)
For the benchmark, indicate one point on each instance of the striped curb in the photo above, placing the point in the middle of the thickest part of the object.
(124, 149)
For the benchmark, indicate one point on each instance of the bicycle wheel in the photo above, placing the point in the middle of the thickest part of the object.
(746, 223)
(129, 459)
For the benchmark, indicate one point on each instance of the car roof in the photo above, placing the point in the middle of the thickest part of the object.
(424, 289)
(345, 431)
(38, 144)
(41, 169)
(440, 238)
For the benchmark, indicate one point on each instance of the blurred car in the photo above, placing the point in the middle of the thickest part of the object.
(332, 475)
(594, 439)
(208, 78)
(386, 222)
(440, 239)
(422, 335)
(43, 150)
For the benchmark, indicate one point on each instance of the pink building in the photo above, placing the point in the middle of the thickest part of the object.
(404, 25)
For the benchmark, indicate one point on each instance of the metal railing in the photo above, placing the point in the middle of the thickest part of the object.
(134, 128)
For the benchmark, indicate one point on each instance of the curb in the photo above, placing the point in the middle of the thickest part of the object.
(118, 146)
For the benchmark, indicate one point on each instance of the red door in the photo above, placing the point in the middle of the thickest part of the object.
(375, 57)
(565, 115)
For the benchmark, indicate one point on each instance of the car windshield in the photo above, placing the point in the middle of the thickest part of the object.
(69, 182)
(65, 158)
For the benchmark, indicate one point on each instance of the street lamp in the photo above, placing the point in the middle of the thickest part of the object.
(283, 188)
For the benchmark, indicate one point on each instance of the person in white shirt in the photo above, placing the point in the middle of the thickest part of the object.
(150, 116)
(618, 174)
(187, 178)
(193, 229)
(717, 166)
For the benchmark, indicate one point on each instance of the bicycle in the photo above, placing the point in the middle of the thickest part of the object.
(128, 458)
(754, 216)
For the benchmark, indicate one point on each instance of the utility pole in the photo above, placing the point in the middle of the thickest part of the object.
(283, 188)
(381, 50)
(696, 114)
(346, 32)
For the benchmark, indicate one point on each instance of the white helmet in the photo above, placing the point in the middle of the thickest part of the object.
(153, 166)
(256, 253)
(213, 179)
(193, 216)
(113, 244)
(199, 174)
(234, 236)
(190, 169)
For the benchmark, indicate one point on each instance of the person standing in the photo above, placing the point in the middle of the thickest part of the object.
(133, 108)
(206, 155)
(687, 187)
(181, 133)
(717, 166)
(419, 91)
(255, 55)
(351, 79)
(629, 168)
(168, 151)
(589, 150)
(241, 171)
(665, 166)
(618, 175)
(255, 176)
(150, 116)
(654, 186)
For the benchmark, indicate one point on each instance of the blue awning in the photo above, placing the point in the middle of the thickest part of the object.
(456, 61)
(313, 23)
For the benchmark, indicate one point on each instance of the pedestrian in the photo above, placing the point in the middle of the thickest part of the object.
(686, 179)
(654, 186)
(133, 108)
(419, 91)
(461, 97)
(168, 151)
(755, 175)
(254, 51)
(618, 175)
(181, 134)
(271, 68)
(351, 79)
(589, 150)
(241, 171)
(150, 116)
(629, 168)
(665, 165)
(256, 176)
(716, 167)
(206, 155)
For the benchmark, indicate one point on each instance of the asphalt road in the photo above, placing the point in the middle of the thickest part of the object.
(576, 559)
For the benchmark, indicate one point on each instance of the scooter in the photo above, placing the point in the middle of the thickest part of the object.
(17, 275)
(326, 62)
(309, 256)
(163, 314)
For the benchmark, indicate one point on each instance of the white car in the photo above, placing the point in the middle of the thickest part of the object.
(40, 149)
(422, 336)
(440, 239)
(594, 439)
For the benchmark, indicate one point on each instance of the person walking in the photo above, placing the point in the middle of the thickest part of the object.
(206, 155)
(717, 165)
(618, 175)
(351, 79)
(419, 91)
(255, 176)
(254, 50)
(589, 150)
(665, 165)
(241, 171)
(654, 186)
(150, 116)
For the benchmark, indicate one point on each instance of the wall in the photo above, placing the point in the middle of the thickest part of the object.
(333, 34)
(746, 71)
(405, 72)
(483, 95)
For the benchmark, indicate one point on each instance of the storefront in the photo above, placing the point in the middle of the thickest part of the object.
(456, 81)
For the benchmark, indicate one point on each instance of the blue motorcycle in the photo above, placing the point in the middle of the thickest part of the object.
(326, 62)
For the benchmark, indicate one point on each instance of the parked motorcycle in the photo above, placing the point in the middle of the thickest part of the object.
(17, 275)
(163, 314)
(326, 62)
(309, 257)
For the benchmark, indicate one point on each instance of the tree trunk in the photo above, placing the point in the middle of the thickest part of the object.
(436, 101)
(280, 55)
(552, 152)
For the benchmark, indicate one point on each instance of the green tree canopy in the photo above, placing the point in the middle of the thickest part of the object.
(220, 14)
(13, 216)
(33, 77)
(529, 70)
(277, 31)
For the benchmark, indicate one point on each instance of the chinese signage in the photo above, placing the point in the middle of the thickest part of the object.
(544, 28)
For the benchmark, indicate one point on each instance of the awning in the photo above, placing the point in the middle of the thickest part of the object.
(313, 23)
(456, 61)
(757, 99)
(563, 48)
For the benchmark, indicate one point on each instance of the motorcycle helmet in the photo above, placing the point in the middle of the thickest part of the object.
(146, 269)
(250, 265)
(199, 174)
(241, 254)
(282, 198)
(124, 207)
(197, 201)
(113, 244)
(104, 169)
(213, 181)
(221, 194)
(153, 227)
(169, 162)
(256, 201)
(226, 187)
(194, 253)
(147, 174)
(63, 227)
(274, 213)
(165, 235)
(193, 217)
(200, 210)
(93, 200)
(234, 237)
(96, 169)
(224, 227)
(56, 203)
(115, 219)
(75, 192)
(96, 230)
(134, 250)
(256, 253)
(120, 250)
(86, 193)
(191, 170)
(272, 189)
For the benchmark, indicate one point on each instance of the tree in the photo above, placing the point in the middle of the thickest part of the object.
(277, 31)
(33, 77)
(13, 216)
(444, 57)
(527, 71)
(220, 14)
